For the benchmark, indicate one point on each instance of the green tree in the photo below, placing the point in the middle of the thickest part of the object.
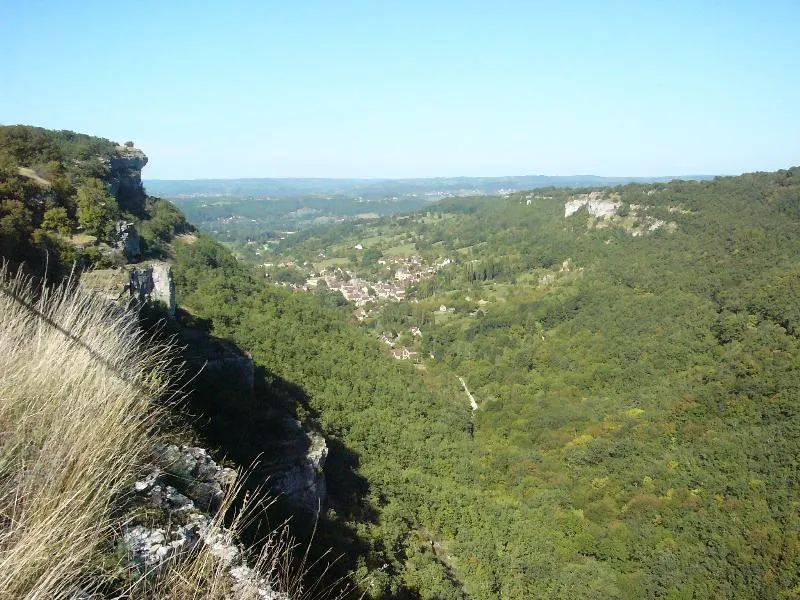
(57, 219)
(97, 209)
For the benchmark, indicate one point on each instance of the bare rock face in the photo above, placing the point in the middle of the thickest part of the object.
(125, 170)
(598, 203)
(153, 282)
(127, 240)
(233, 362)
(301, 476)
(191, 470)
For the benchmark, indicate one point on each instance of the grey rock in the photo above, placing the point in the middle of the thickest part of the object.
(125, 175)
(127, 240)
(304, 480)
(177, 501)
(152, 548)
(147, 482)
(199, 484)
(195, 475)
(154, 283)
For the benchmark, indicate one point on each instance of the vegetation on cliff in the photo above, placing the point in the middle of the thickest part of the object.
(63, 194)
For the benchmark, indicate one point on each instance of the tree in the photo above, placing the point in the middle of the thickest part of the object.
(57, 219)
(371, 256)
(97, 209)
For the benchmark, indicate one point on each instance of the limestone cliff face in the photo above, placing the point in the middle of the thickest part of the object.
(291, 458)
(142, 283)
(153, 282)
(125, 179)
(127, 240)
(298, 472)
(233, 363)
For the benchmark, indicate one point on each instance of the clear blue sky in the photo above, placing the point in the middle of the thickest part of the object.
(392, 89)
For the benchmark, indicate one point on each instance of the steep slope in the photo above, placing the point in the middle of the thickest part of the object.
(634, 355)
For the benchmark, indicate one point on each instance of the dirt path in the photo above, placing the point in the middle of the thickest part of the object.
(472, 401)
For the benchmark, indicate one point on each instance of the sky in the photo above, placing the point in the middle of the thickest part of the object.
(380, 88)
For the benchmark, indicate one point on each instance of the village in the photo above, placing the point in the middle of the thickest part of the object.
(362, 292)
(408, 270)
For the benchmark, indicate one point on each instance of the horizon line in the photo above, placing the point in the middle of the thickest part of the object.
(345, 178)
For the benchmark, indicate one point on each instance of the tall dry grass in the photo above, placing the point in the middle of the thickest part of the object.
(78, 385)
(82, 390)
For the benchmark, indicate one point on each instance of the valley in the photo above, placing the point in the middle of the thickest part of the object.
(630, 351)
(400, 301)
(550, 393)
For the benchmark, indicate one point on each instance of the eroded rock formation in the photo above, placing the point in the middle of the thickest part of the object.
(153, 282)
(125, 177)
(188, 488)
(300, 474)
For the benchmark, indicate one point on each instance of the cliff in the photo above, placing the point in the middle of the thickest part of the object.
(250, 424)
(125, 178)
(143, 283)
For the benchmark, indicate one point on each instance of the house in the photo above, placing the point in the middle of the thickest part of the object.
(405, 353)
(409, 354)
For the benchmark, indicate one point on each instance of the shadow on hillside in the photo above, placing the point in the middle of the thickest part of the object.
(250, 415)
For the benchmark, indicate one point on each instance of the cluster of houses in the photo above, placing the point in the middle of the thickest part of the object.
(413, 269)
(410, 270)
(401, 352)
(360, 291)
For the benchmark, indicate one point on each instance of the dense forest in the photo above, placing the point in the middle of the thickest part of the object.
(637, 386)
(636, 369)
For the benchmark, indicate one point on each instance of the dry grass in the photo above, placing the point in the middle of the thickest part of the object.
(77, 391)
(32, 174)
(81, 392)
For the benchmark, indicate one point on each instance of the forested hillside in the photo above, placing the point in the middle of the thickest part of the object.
(66, 198)
(250, 210)
(636, 367)
(633, 354)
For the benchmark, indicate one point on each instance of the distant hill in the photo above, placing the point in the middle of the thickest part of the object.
(287, 187)
(241, 210)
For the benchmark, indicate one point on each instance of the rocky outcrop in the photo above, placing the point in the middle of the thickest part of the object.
(153, 282)
(300, 475)
(191, 470)
(606, 209)
(599, 204)
(234, 363)
(125, 179)
(127, 240)
(188, 487)
(290, 459)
